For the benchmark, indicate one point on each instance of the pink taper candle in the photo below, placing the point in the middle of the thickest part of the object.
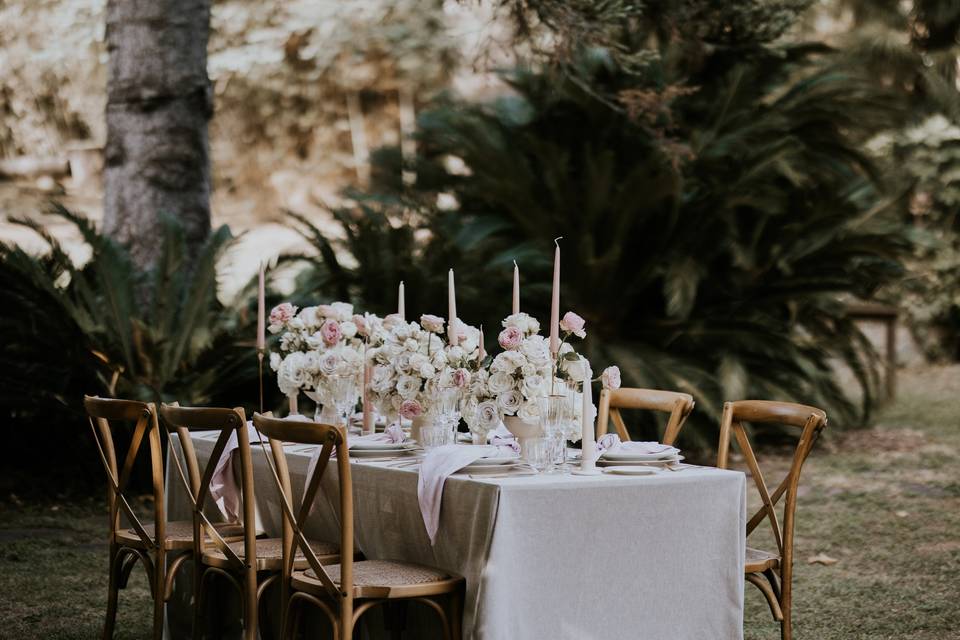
(555, 302)
(483, 354)
(261, 313)
(401, 304)
(451, 309)
(367, 409)
(516, 287)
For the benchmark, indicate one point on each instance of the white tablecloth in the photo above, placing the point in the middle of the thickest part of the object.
(551, 556)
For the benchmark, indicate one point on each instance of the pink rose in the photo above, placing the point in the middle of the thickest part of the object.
(282, 313)
(431, 323)
(361, 323)
(510, 338)
(410, 409)
(330, 332)
(461, 378)
(610, 378)
(572, 323)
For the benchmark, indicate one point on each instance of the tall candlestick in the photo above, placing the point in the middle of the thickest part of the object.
(368, 427)
(588, 445)
(292, 401)
(483, 353)
(452, 309)
(516, 288)
(261, 312)
(555, 302)
(401, 304)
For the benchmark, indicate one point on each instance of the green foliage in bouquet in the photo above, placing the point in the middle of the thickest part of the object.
(106, 329)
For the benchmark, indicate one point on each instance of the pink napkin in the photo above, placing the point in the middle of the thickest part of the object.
(610, 442)
(223, 485)
(437, 466)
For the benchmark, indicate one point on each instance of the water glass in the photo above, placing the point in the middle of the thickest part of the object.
(537, 452)
(345, 391)
(447, 406)
(555, 413)
(435, 435)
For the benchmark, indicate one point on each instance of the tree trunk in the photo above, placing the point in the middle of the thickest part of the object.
(159, 101)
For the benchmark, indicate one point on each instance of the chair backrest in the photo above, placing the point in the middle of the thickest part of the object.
(811, 421)
(333, 439)
(106, 417)
(229, 422)
(678, 405)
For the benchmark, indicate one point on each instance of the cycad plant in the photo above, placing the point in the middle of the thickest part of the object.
(710, 244)
(106, 328)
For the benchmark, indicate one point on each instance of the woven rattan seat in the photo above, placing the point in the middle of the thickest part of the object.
(270, 554)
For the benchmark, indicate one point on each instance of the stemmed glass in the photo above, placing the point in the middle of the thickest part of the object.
(447, 409)
(555, 412)
(344, 392)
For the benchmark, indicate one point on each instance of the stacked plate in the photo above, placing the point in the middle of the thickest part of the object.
(361, 449)
(626, 456)
(496, 465)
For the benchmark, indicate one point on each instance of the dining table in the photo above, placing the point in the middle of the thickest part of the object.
(544, 555)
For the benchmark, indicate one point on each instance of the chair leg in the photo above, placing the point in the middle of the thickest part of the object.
(290, 620)
(786, 625)
(160, 582)
(113, 593)
(456, 612)
(250, 603)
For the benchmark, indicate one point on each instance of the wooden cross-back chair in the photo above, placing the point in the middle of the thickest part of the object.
(678, 405)
(144, 541)
(344, 591)
(772, 571)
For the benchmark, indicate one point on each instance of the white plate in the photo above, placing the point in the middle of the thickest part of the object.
(625, 455)
(379, 453)
(650, 463)
(361, 445)
(492, 468)
(631, 471)
(491, 462)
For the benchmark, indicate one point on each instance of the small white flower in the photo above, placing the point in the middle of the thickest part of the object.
(509, 401)
(529, 411)
(408, 387)
(499, 383)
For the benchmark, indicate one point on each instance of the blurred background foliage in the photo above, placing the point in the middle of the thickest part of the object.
(726, 177)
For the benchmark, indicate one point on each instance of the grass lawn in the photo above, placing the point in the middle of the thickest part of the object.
(884, 502)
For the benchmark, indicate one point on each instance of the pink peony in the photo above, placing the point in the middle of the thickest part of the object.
(610, 378)
(410, 409)
(510, 338)
(431, 323)
(330, 332)
(572, 323)
(282, 313)
(361, 323)
(461, 378)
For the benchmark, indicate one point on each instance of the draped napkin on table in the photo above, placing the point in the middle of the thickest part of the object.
(443, 461)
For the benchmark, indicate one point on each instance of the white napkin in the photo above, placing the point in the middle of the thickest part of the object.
(437, 466)
(223, 485)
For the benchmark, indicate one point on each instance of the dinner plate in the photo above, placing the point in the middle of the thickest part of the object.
(634, 456)
(491, 462)
(632, 470)
(650, 463)
(380, 453)
(491, 468)
(362, 445)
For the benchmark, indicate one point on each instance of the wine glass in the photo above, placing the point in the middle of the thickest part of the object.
(344, 392)
(447, 409)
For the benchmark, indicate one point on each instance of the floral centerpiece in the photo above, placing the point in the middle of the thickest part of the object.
(413, 362)
(318, 343)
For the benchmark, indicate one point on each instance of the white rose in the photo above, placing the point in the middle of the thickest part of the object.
(500, 382)
(499, 364)
(402, 362)
(509, 401)
(342, 311)
(533, 386)
(296, 324)
(427, 371)
(455, 355)
(576, 369)
(488, 414)
(381, 379)
(408, 387)
(513, 360)
(275, 360)
(529, 411)
(328, 363)
(411, 344)
(537, 350)
(348, 329)
(439, 360)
